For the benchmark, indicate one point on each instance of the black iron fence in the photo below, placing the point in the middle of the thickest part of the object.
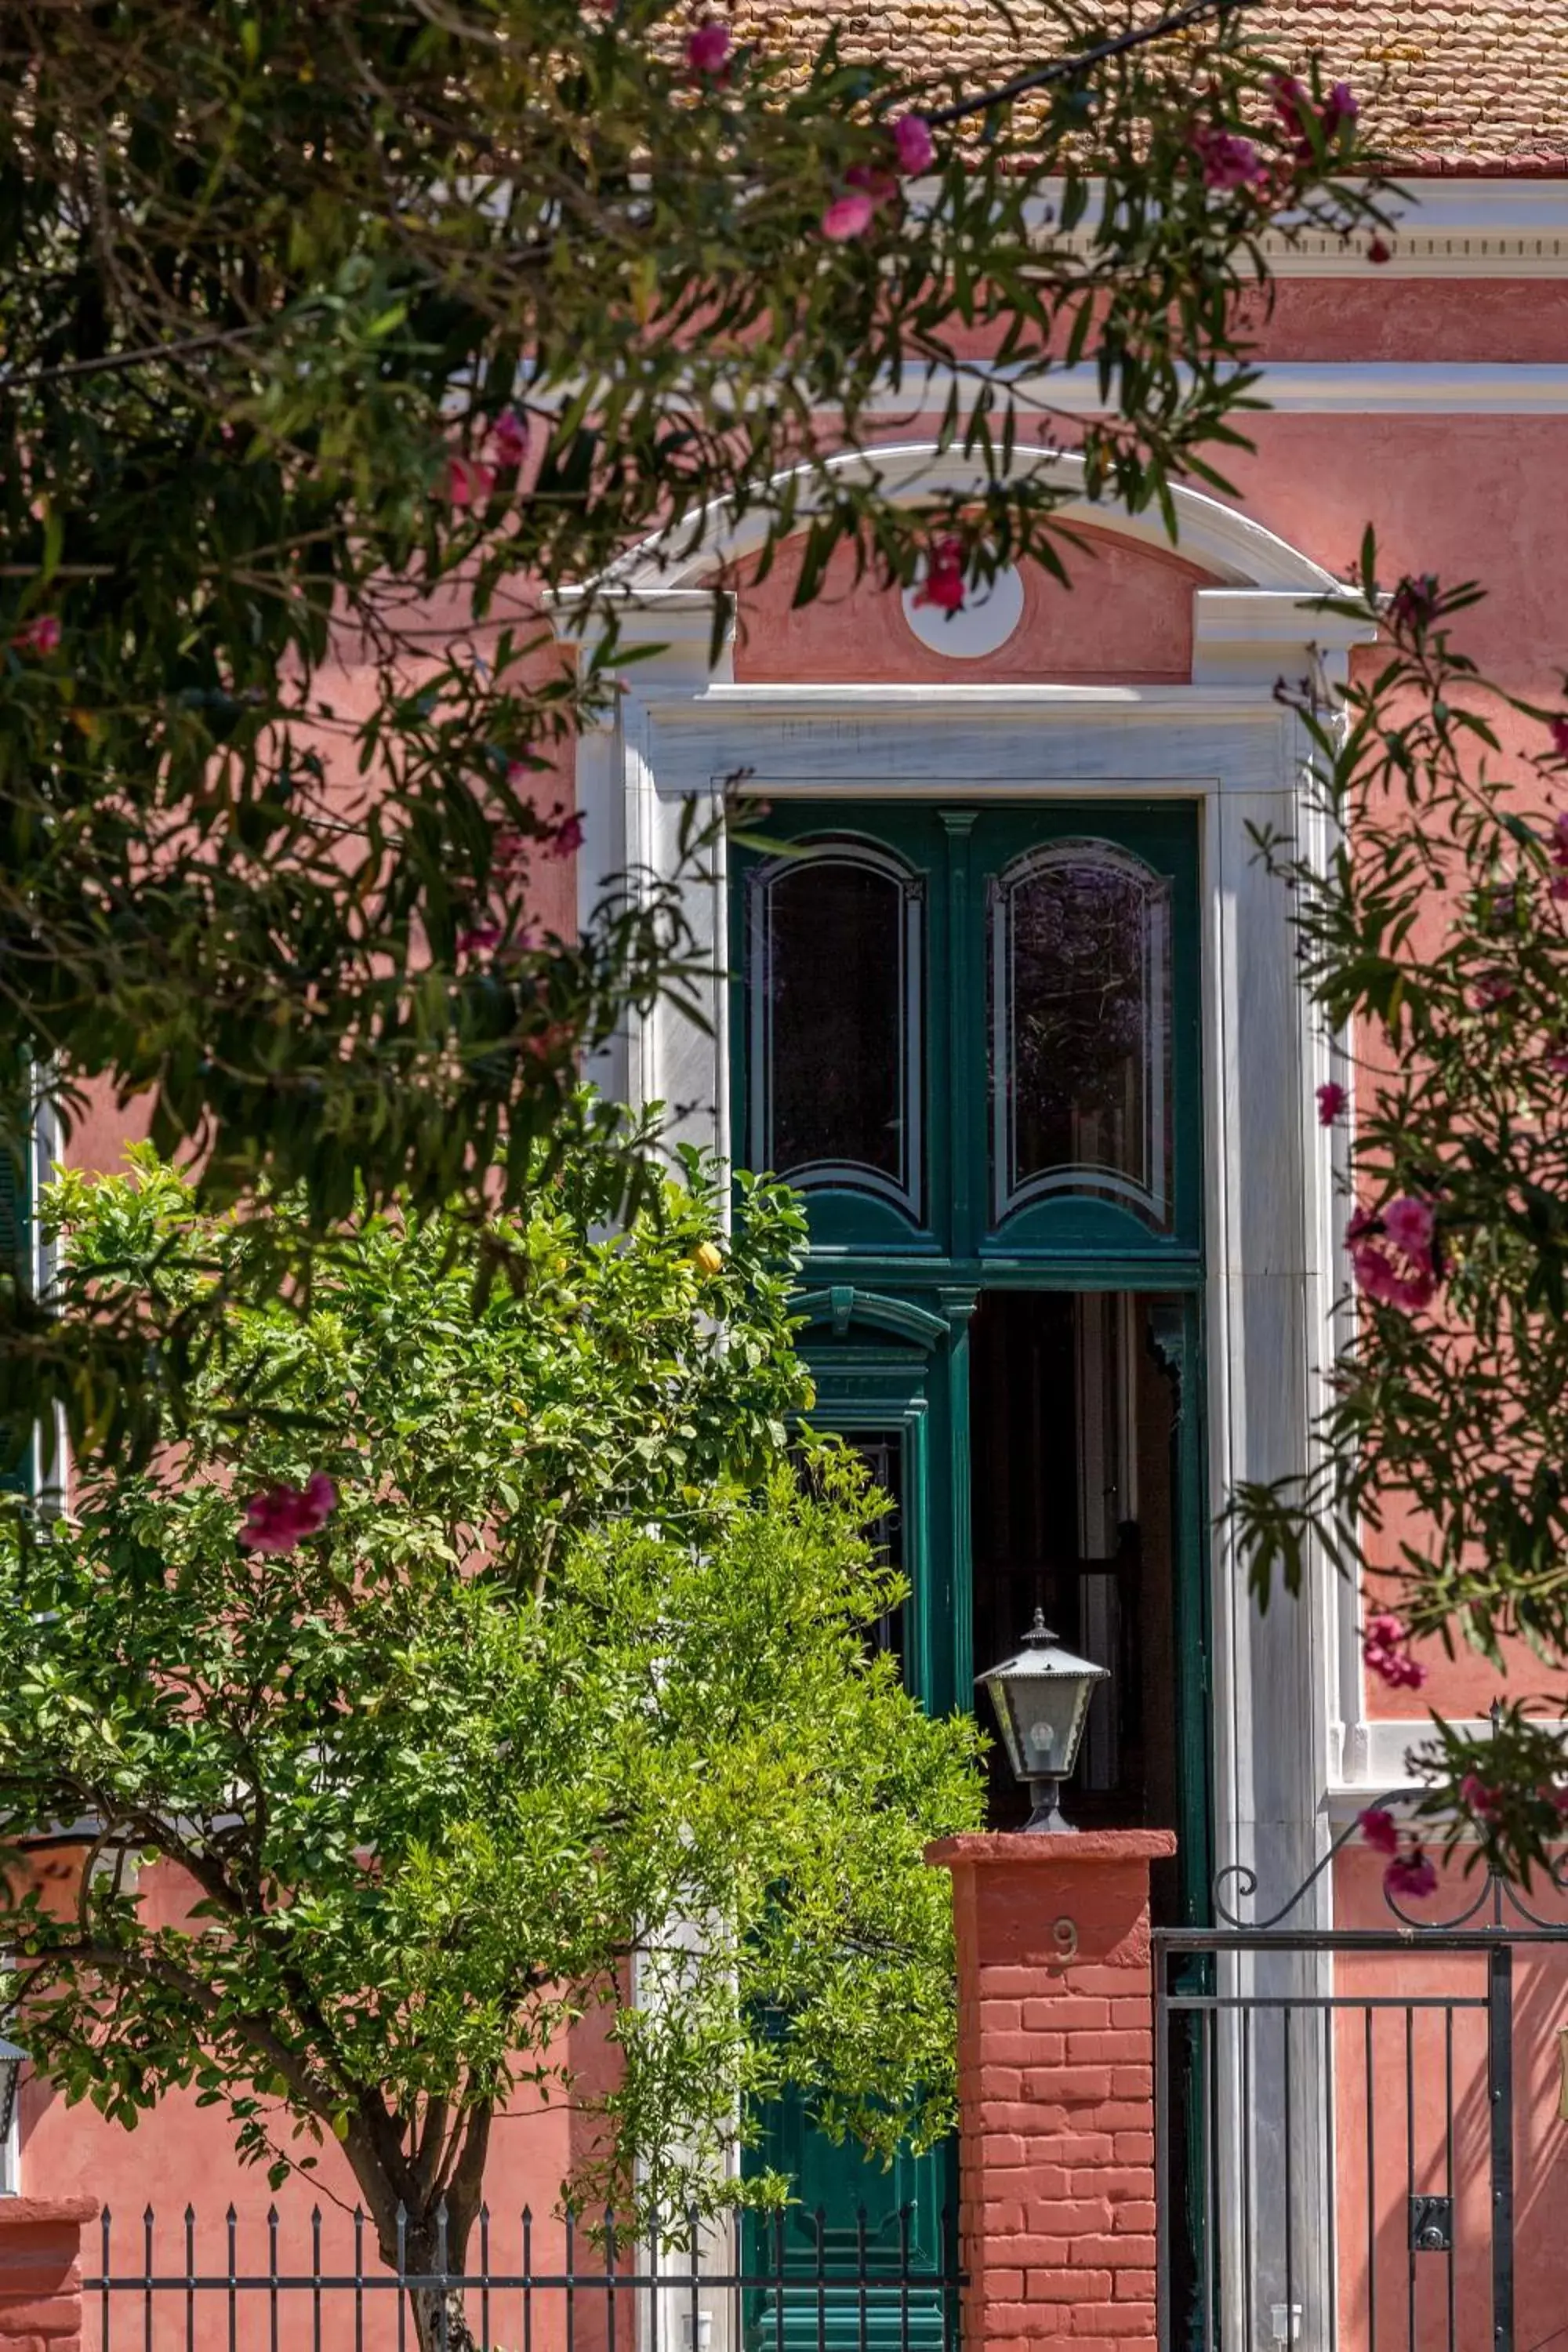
(1345, 2122)
(297, 2281)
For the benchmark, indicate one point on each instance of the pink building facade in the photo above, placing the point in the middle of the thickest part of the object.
(1065, 1314)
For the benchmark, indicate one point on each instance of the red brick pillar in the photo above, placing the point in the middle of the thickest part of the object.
(1056, 2088)
(40, 2272)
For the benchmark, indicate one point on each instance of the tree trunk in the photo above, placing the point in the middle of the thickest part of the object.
(441, 2320)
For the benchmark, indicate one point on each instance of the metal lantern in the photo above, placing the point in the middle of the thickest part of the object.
(11, 2059)
(1041, 1698)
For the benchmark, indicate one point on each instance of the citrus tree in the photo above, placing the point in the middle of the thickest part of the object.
(507, 1674)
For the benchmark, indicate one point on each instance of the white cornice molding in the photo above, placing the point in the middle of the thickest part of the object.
(925, 705)
(1288, 387)
(1450, 225)
(1416, 388)
(1448, 229)
(1282, 387)
(1005, 741)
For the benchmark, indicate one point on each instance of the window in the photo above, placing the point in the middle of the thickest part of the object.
(834, 969)
(1080, 1029)
(972, 1035)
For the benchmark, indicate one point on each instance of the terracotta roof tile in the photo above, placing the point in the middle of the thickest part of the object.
(1445, 86)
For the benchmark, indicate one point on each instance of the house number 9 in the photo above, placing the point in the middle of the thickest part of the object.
(1064, 1933)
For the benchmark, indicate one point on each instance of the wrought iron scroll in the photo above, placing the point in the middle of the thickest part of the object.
(1500, 1897)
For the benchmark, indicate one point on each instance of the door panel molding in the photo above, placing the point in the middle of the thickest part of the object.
(842, 1304)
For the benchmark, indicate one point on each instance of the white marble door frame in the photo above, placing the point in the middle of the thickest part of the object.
(1286, 1682)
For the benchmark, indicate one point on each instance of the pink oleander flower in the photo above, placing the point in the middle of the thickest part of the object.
(1484, 1801)
(469, 484)
(943, 584)
(281, 1517)
(1411, 1874)
(872, 181)
(1415, 601)
(848, 217)
(1227, 160)
(508, 853)
(1333, 1101)
(1294, 104)
(509, 440)
(1549, 1794)
(1558, 731)
(1396, 1669)
(481, 936)
(1557, 1063)
(41, 634)
(1379, 250)
(1493, 988)
(707, 48)
(1378, 1827)
(1381, 1647)
(1410, 1225)
(1379, 1278)
(912, 137)
(567, 838)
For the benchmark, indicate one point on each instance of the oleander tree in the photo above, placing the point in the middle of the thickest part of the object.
(510, 1673)
(341, 340)
(1434, 945)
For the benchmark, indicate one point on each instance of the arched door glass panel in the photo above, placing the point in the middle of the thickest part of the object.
(833, 958)
(1081, 1030)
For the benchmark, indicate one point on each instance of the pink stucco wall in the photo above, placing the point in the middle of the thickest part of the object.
(1473, 496)
(1126, 619)
(1418, 2120)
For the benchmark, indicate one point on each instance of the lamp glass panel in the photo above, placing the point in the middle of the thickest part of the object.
(1050, 1711)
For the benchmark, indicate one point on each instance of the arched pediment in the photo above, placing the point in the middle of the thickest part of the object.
(1236, 551)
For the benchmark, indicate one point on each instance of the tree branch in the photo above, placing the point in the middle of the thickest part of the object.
(1064, 68)
(109, 362)
(109, 1961)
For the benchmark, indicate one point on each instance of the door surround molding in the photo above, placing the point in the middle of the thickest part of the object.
(1287, 1702)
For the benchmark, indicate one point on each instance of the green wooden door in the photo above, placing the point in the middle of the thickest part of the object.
(883, 1384)
(971, 1036)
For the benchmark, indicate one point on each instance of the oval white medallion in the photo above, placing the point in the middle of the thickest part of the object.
(985, 621)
